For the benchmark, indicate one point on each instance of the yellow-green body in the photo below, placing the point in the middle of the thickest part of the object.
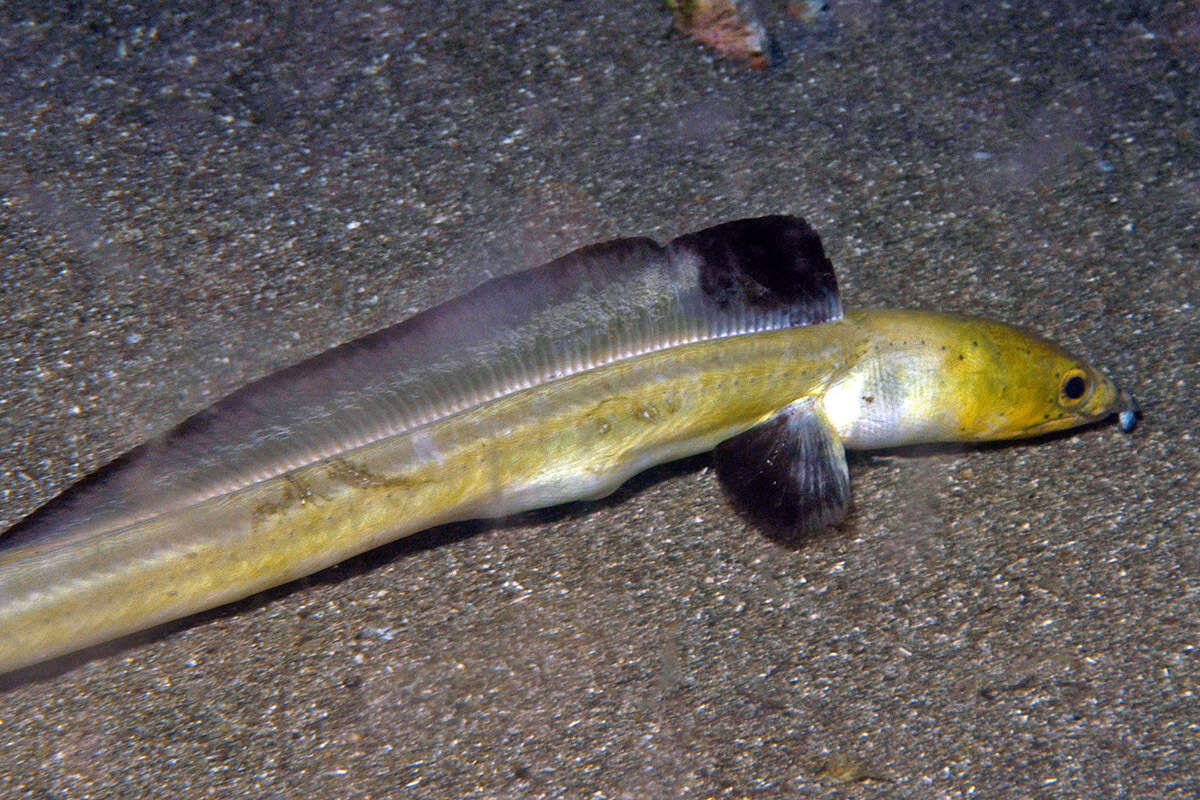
(882, 378)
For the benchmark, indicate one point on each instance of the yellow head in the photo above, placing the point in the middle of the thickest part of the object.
(927, 377)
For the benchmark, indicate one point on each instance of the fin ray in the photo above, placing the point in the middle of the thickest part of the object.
(596, 305)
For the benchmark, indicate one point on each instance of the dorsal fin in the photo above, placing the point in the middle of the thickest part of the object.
(764, 264)
(591, 307)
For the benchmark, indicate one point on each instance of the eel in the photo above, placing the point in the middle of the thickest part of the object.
(549, 385)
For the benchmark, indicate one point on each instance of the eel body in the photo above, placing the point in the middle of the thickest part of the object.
(545, 386)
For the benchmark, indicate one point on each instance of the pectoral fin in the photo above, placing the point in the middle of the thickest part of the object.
(789, 474)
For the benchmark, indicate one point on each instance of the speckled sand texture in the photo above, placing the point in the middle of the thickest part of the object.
(192, 198)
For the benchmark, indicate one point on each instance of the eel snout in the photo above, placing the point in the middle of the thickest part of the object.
(1129, 412)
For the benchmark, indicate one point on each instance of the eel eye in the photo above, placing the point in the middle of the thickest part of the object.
(1074, 387)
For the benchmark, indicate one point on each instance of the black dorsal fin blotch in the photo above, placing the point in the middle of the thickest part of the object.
(774, 263)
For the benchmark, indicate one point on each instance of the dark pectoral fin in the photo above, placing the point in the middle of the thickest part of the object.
(789, 474)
